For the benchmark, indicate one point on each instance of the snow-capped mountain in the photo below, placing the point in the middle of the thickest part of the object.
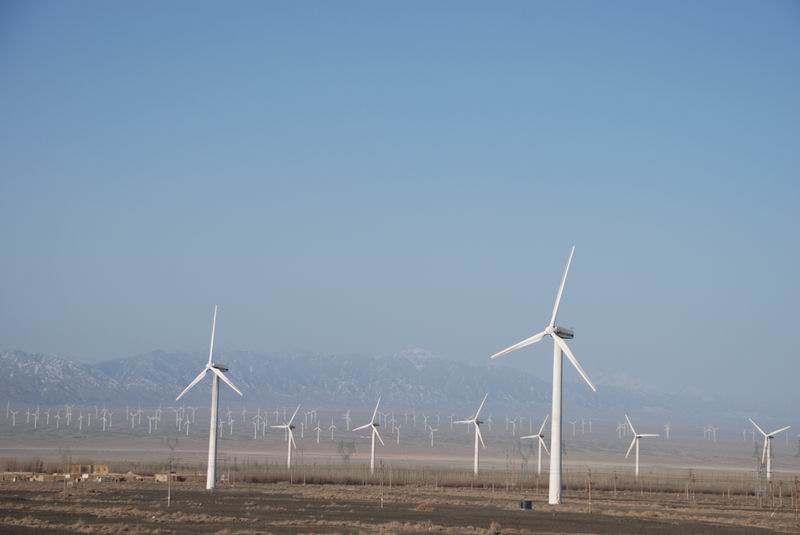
(48, 379)
(410, 379)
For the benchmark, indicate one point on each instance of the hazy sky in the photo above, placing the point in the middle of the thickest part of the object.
(368, 177)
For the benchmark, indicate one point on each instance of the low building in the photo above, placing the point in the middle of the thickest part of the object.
(77, 470)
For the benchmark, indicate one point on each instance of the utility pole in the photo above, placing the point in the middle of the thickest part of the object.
(171, 443)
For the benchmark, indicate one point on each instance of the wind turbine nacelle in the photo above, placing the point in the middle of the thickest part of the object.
(292, 427)
(220, 367)
(563, 332)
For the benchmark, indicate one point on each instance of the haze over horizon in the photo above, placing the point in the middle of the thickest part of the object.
(369, 178)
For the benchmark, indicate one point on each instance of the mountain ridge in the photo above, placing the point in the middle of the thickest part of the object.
(411, 379)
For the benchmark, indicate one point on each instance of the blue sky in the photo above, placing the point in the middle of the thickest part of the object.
(368, 177)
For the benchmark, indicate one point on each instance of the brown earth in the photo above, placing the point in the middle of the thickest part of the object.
(140, 508)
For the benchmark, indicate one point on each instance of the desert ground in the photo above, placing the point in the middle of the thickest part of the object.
(283, 508)
(687, 484)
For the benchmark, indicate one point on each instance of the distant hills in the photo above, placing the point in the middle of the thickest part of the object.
(413, 379)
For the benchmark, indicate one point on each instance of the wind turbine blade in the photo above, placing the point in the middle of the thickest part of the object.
(782, 429)
(463, 422)
(362, 427)
(294, 414)
(648, 435)
(544, 445)
(481, 406)
(284, 426)
(630, 424)
(291, 438)
(226, 380)
(561, 288)
(565, 348)
(544, 422)
(529, 436)
(480, 436)
(194, 382)
(764, 450)
(519, 345)
(631, 446)
(375, 429)
(756, 426)
(375, 412)
(213, 331)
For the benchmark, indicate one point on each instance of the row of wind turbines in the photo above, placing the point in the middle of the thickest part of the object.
(557, 333)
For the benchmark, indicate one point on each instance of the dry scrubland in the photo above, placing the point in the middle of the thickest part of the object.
(344, 499)
(688, 485)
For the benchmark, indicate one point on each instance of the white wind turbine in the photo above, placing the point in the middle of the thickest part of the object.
(635, 442)
(558, 334)
(766, 453)
(540, 436)
(216, 374)
(478, 436)
(432, 432)
(374, 425)
(332, 428)
(287, 427)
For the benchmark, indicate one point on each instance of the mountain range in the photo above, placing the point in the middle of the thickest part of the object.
(413, 379)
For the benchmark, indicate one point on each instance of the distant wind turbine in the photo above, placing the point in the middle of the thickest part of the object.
(290, 437)
(374, 425)
(478, 437)
(540, 436)
(332, 428)
(635, 442)
(216, 374)
(766, 453)
(432, 432)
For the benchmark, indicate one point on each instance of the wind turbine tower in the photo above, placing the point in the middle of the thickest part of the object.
(560, 347)
(216, 371)
(636, 437)
(478, 437)
(288, 427)
(540, 436)
(766, 452)
(374, 425)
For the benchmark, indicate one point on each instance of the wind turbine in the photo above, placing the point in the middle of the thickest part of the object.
(332, 428)
(540, 436)
(290, 442)
(374, 425)
(432, 432)
(558, 334)
(478, 436)
(636, 437)
(216, 374)
(767, 451)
